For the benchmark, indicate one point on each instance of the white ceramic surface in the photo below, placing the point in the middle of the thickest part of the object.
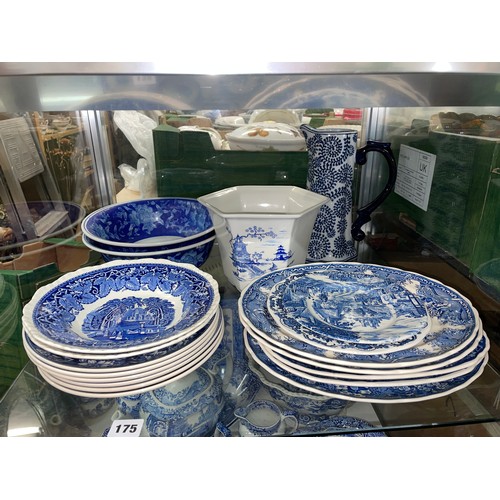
(261, 228)
(229, 122)
(266, 136)
(288, 116)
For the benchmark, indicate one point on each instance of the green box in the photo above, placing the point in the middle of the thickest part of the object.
(188, 165)
(485, 263)
(454, 219)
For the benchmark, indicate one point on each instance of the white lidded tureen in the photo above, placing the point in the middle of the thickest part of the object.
(266, 136)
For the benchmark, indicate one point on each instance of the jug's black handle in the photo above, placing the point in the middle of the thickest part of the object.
(364, 213)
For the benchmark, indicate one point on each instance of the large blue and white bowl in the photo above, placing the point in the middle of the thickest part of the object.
(121, 306)
(154, 223)
(196, 253)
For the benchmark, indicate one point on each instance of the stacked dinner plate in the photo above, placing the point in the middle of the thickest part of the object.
(124, 327)
(363, 332)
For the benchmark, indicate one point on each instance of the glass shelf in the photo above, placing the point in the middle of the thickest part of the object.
(33, 407)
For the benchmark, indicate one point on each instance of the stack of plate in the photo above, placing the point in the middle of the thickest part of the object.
(363, 332)
(123, 327)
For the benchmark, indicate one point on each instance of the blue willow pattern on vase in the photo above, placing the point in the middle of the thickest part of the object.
(330, 173)
(272, 254)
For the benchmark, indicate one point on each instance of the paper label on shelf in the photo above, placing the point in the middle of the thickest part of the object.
(126, 428)
(415, 173)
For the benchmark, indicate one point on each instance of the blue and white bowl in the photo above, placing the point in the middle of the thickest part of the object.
(196, 253)
(121, 306)
(155, 224)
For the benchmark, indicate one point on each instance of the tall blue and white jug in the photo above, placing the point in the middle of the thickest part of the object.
(332, 155)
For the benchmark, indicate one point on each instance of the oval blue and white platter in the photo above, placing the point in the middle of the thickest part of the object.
(454, 321)
(367, 308)
(370, 394)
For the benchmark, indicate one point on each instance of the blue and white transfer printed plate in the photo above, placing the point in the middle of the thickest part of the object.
(401, 392)
(119, 363)
(121, 306)
(454, 321)
(328, 305)
(312, 368)
(335, 377)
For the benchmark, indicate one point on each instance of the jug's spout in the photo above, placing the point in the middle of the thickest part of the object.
(307, 130)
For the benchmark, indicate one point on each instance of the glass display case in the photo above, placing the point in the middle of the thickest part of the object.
(109, 133)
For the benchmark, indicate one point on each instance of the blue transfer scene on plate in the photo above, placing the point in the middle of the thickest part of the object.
(121, 305)
(354, 307)
(454, 320)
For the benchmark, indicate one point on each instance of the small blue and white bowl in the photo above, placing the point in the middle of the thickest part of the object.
(152, 224)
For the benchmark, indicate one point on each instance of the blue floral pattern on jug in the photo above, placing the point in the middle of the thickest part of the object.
(330, 173)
